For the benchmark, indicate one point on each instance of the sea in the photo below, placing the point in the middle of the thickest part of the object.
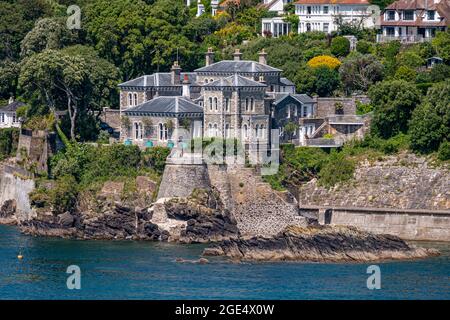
(149, 270)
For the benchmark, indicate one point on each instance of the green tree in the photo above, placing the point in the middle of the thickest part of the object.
(358, 72)
(340, 46)
(441, 44)
(9, 74)
(393, 103)
(405, 73)
(327, 80)
(48, 33)
(74, 78)
(430, 121)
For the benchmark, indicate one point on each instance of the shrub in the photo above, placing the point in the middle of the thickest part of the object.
(324, 61)
(364, 47)
(444, 151)
(405, 73)
(337, 169)
(103, 137)
(155, 157)
(62, 196)
(340, 46)
(9, 139)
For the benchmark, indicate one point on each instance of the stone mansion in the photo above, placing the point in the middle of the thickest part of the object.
(230, 99)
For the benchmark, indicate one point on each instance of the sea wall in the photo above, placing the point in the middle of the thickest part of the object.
(403, 195)
(16, 184)
(430, 225)
(179, 180)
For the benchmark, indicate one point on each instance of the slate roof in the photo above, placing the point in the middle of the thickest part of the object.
(173, 105)
(302, 98)
(234, 81)
(366, 2)
(286, 82)
(12, 106)
(159, 79)
(241, 66)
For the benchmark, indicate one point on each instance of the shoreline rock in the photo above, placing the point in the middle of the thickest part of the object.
(320, 244)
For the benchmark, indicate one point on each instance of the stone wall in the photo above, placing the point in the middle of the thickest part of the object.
(15, 184)
(401, 182)
(403, 195)
(327, 106)
(430, 225)
(38, 145)
(179, 180)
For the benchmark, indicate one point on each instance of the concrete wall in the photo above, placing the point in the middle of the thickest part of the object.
(179, 180)
(431, 225)
(15, 186)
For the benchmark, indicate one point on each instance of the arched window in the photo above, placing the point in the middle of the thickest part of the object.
(163, 132)
(135, 99)
(227, 130)
(256, 131)
(130, 99)
(252, 104)
(216, 131)
(261, 131)
(246, 104)
(245, 131)
(210, 103)
(215, 103)
(227, 104)
(210, 133)
(136, 131)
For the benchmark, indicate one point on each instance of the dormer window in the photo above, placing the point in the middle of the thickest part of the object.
(430, 15)
(391, 15)
(408, 15)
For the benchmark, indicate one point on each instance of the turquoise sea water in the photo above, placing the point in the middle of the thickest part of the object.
(147, 270)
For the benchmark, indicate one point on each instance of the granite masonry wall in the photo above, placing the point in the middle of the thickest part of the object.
(179, 180)
(16, 184)
(402, 195)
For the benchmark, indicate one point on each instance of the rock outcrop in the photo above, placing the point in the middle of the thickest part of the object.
(206, 218)
(118, 222)
(320, 244)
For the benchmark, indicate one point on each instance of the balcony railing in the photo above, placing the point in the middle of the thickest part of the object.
(403, 39)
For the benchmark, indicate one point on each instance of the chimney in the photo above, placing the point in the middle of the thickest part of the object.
(209, 57)
(237, 55)
(176, 72)
(263, 57)
(186, 87)
(11, 100)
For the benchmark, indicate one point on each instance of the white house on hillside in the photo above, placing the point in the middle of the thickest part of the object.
(8, 114)
(320, 15)
(412, 21)
(317, 15)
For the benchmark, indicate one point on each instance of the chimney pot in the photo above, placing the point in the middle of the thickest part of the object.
(176, 73)
(209, 57)
(237, 55)
(263, 57)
